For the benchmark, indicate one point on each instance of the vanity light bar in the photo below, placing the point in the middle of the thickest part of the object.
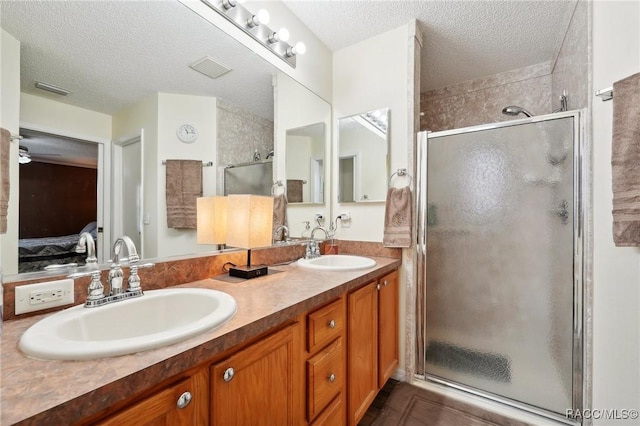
(254, 25)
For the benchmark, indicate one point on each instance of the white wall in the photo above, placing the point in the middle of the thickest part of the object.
(80, 122)
(616, 307)
(174, 110)
(369, 75)
(296, 106)
(10, 120)
(126, 124)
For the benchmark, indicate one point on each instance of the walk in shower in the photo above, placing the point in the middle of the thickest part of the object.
(500, 261)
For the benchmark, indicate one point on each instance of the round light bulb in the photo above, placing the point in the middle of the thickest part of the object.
(263, 17)
(300, 48)
(283, 34)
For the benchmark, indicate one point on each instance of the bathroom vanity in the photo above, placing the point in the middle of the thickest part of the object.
(300, 350)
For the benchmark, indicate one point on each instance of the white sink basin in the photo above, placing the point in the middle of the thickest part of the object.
(337, 262)
(156, 319)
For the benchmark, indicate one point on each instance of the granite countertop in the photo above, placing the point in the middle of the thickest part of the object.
(63, 392)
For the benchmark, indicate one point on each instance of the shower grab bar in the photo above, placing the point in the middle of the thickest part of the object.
(401, 173)
(605, 94)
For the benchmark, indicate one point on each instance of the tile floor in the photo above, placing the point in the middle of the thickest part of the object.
(407, 405)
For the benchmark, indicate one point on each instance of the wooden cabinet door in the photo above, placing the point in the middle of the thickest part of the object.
(387, 327)
(162, 408)
(362, 350)
(260, 385)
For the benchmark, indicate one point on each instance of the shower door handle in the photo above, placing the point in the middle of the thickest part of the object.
(562, 212)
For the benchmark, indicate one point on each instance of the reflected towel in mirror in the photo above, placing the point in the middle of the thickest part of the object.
(294, 190)
(279, 215)
(183, 187)
(397, 218)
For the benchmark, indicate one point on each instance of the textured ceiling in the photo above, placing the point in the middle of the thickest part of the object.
(112, 54)
(463, 40)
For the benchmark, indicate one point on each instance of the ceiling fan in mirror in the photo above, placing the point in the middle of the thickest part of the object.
(24, 157)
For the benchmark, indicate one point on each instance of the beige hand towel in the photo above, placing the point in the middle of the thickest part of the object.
(294, 190)
(279, 215)
(5, 144)
(397, 218)
(183, 187)
(625, 161)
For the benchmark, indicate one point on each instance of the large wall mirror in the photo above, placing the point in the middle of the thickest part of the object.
(138, 79)
(363, 157)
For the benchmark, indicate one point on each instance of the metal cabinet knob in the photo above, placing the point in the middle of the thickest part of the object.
(228, 374)
(332, 324)
(184, 400)
(332, 378)
(385, 283)
(378, 286)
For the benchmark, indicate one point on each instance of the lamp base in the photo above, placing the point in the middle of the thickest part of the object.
(248, 272)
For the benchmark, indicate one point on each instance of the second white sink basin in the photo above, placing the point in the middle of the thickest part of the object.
(337, 262)
(156, 319)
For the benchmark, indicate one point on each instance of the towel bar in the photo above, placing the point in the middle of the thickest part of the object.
(275, 185)
(204, 163)
(605, 94)
(401, 172)
(16, 138)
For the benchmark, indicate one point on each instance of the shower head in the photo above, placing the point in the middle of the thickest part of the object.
(515, 110)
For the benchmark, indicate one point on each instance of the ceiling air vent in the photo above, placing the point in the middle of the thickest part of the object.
(209, 67)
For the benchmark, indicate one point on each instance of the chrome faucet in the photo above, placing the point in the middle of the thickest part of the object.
(116, 275)
(285, 233)
(86, 244)
(96, 294)
(319, 228)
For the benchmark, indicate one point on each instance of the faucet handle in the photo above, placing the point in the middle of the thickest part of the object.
(95, 291)
(134, 279)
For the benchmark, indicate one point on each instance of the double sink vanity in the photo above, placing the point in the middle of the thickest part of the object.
(310, 343)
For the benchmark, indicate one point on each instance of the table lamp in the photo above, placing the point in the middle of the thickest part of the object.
(212, 220)
(249, 225)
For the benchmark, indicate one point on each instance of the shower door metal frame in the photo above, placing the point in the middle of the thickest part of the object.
(579, 220)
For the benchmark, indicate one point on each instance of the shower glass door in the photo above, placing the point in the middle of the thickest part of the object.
(499, 272)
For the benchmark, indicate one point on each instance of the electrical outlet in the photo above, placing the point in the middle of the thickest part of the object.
(36, 297)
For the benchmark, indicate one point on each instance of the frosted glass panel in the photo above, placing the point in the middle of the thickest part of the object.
(499, 280)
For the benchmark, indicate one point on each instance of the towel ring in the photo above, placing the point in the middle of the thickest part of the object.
(275, 186)
(401, 173)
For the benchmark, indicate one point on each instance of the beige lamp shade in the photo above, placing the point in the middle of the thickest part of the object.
(249, 221)
(212, 220)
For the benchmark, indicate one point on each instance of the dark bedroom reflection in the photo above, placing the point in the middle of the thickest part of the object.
(58, 199)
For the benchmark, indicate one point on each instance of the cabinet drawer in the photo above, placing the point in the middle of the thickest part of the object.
(324, 325)
(325, 377)
(334, 415)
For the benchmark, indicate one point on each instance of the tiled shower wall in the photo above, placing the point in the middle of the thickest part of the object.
(535, 88)
(571, 71)
(240, 134)
(481, 101)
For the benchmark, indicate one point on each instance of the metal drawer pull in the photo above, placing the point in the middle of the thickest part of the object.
(332, 324)
(228, 374)
(184, 400)
(332, 378)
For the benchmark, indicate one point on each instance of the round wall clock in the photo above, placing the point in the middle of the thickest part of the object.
(187, 133)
